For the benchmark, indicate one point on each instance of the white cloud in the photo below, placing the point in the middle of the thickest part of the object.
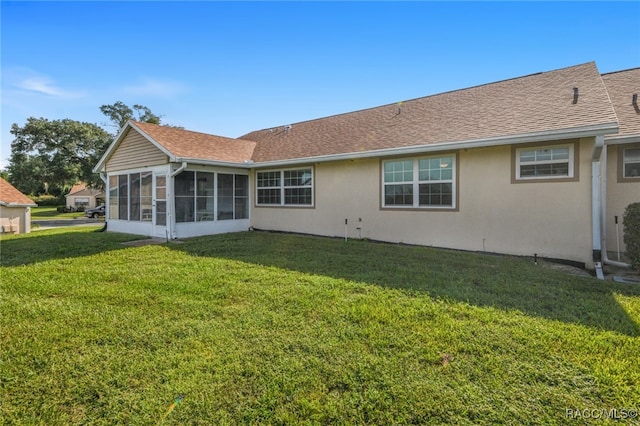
(155, 87)
(36, 83)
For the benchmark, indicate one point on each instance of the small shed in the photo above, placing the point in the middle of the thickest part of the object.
(15, 210)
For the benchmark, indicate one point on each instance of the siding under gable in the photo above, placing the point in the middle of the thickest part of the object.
(135, 151)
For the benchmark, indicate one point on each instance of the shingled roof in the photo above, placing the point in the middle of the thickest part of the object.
(185, 144)
(622, 85)
(566, 103)
(10, 196)
(538, 103)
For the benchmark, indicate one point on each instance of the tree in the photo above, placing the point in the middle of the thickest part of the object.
(119, 114)
(50, 156)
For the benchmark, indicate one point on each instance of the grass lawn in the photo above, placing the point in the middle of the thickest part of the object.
(259, 328)
(49, 212)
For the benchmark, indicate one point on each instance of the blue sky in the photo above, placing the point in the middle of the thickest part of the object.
(230, 68)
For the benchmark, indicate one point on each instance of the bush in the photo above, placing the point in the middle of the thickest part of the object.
(47, 200)
(631, 222)
(61, 209)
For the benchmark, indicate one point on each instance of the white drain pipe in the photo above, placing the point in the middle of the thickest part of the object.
(595, 207)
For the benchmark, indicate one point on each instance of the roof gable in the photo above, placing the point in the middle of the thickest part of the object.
(9, 195)
(532, 104)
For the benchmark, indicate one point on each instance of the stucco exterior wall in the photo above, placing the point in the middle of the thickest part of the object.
(620, 193)
(15, 220)
(551, 219)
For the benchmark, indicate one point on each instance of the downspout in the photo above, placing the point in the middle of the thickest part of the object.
(172, 203)
(596, 202)
(605, 258)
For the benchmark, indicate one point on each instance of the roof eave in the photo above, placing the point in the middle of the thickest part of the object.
(572, 133)
(247, 164)
(2, 203)
(619, 140)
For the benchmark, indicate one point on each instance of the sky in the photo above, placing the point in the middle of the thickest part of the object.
(229, 68)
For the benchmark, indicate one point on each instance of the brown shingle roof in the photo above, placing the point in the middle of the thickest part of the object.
(621, 86)
(187, 144)
(10, 195)
(526, 105)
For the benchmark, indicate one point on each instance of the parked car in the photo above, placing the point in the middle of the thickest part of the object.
(95, 213)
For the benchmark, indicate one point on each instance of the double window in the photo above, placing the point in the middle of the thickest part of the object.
(420, 182)
(291, 187)
(545, 162)
(130, 197)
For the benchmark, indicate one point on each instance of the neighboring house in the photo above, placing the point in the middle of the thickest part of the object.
(15, 210)
(82, 196)
(508, 167)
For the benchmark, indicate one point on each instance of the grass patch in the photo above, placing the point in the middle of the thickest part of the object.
(50, 212)
(259, 328)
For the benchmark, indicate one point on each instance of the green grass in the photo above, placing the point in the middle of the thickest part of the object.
(259, 328)
(49, 212)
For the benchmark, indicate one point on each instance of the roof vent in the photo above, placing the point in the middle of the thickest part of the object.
(634, 101)
(575, 95)
(287, 127)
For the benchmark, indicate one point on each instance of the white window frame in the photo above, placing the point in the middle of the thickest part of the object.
(570, 161)
(626, 161)
(282, 187)
(416, 182)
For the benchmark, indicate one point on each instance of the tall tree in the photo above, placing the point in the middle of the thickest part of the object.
(119, 113)
(50, 156)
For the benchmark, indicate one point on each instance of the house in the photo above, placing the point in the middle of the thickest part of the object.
(83, 197)
(15, 210)
(508, 167)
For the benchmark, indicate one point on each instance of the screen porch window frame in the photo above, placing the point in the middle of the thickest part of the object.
(412, 175)
(546, 155)
(288, 187)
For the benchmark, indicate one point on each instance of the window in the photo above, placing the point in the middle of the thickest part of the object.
(293, 187)
(113, 197)
(631, 163)
(233, 196)
(123, 197)
(197, 194)
(419, 182)
(548, 162)
(130, 197)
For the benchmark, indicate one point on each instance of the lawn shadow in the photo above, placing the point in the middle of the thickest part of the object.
(483, 280)
(41, 246)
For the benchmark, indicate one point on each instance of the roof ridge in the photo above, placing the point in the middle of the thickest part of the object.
(419, 98)
(619, 71)
(187, 130)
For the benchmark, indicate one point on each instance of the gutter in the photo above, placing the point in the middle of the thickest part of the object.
(179, 169)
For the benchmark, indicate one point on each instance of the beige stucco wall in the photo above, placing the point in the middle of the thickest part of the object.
(16, 220)
(619, 195)
(552, 219)
(134, 152)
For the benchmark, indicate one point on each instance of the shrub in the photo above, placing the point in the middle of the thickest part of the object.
(48, 200)
(632, 233)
